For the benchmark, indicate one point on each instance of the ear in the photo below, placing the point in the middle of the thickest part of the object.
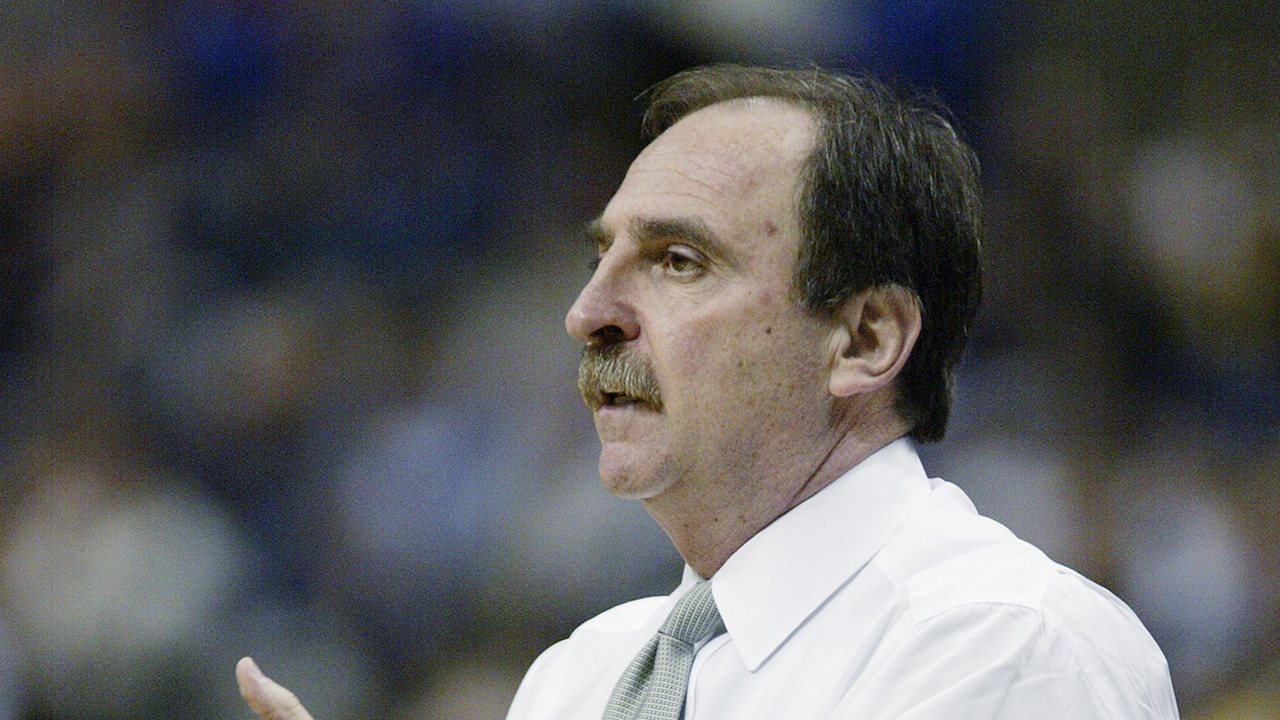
(875, 332)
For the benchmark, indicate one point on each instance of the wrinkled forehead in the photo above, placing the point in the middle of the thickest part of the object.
(733, 149)
(746, 134)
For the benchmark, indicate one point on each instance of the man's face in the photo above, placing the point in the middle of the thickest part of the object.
(694, 294)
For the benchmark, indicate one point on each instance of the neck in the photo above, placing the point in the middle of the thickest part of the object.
(709, 527)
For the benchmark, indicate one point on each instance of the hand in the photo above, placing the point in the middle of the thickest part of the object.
(271, 700)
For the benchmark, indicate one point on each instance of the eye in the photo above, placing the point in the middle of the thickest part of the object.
(600, 248)
(682, 262)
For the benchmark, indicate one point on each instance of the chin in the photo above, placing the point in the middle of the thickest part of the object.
(630, 480)
(628, 487)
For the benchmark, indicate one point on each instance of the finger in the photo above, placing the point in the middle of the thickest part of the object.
(271, 700)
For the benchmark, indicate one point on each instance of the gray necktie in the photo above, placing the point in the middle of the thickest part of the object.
(654, 685)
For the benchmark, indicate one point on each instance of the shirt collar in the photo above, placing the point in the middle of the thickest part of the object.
(778, 578)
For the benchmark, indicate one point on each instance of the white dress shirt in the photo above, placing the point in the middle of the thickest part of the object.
(885, 595)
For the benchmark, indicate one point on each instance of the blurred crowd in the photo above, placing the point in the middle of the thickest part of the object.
(284, 372)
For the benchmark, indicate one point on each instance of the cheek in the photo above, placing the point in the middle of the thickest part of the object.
(761, 364)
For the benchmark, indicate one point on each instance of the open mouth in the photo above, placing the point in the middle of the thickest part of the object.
(617, 399)
(610, 378)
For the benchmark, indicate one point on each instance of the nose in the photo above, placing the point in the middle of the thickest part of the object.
(603, 314)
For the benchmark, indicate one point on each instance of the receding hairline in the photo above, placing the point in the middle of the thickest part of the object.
(653, 127)
(695, 88)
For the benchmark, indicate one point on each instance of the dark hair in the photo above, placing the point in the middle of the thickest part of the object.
(889, 195)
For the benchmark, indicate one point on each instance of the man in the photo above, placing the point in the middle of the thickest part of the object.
(785, 282)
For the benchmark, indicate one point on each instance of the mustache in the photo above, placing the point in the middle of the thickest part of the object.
(611, 370)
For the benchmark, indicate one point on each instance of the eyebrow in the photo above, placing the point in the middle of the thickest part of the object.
(690, 230)
(597, 238)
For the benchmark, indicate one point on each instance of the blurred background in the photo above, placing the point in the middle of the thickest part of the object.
(284, 373)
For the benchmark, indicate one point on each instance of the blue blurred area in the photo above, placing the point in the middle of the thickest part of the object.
(281, 300)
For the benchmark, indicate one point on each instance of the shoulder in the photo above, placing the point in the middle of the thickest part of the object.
(1109, 644)
(627, 617)
(610, 632)
(615, 633)
(970, 590)
(944, 554)
(573, 671)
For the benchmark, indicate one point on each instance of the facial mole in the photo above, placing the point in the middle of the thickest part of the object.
(770, 228)
(768, 330)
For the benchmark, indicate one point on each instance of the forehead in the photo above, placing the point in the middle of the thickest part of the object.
(727, 163)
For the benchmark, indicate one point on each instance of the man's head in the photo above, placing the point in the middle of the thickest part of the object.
(752, 307)
(700, 363)
(889, 195)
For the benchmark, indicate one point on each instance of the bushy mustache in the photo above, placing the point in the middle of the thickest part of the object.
(613, 370)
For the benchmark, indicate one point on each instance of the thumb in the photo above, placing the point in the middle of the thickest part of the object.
(268, 698)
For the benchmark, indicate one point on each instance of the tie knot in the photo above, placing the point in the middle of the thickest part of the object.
(694, 617)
